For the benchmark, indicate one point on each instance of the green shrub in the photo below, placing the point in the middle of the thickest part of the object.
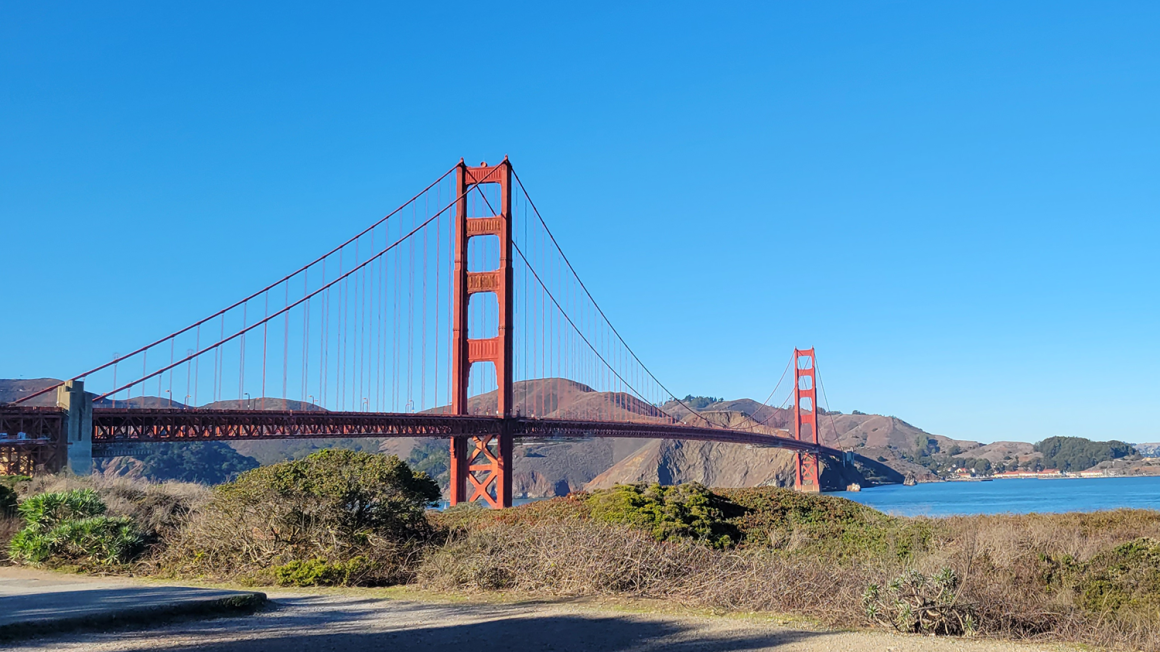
(330, 507)
(1125, 578)
(819, 524)
(45, 511)
(70, 526)
(100, 540)
(346, 495)
(680, 511)
(319, 572)
(763, 517)
(11, 481)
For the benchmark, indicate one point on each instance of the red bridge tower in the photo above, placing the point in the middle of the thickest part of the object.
(482, 464)
(805, 400)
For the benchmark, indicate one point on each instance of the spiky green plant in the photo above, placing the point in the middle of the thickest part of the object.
(71, 526)
(45, 511)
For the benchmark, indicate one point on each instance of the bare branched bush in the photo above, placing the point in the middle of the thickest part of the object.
(157, 507)
(979, 575)
(561, 557)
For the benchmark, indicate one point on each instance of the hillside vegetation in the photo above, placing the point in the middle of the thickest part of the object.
(1078, 454)
(210, 462)
(1090, 578)
(355, 519)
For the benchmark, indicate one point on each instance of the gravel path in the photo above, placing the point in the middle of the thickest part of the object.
(353, 623)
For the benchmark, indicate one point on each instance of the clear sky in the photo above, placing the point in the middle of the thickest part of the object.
(956, 203)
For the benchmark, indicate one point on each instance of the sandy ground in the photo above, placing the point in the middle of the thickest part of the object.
(350, 622)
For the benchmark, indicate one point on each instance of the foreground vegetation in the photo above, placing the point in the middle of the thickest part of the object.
(358, 519)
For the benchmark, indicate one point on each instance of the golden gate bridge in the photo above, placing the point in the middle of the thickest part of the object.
(454, 316)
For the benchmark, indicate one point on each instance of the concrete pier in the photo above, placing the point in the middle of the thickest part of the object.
(78, 425)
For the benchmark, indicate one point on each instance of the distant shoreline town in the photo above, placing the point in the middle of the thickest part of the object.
(1046, 474)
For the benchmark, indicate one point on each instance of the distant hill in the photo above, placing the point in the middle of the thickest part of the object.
(12, 390)
(559, 398)
(731, 465)
(1148, 450)
(1004, 452)
(883, 439)
(264, 403)
(553, 468)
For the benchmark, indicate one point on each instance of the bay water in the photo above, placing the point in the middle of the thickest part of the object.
(1020, 496)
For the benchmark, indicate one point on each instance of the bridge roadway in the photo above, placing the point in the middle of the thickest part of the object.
(145, 425)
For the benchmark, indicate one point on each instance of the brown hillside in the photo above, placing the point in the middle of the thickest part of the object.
(764, 414)
(544, 469)
(879, 438)
(670, 461)
(560, 398)
(1003, 451)
(12, 389)
(717, 464)
(267, 403)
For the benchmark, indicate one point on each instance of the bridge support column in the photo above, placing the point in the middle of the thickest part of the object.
(78, 425)
(805, 395)
(481, 466)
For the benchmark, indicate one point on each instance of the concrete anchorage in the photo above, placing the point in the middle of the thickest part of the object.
(78, 425)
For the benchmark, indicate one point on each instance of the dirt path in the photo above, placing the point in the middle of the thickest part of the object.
(352, 622)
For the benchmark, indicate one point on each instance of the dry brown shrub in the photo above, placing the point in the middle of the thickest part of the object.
(9, 526)
(1002, 584)
(560, 557)
(157, 507)
(576, 557)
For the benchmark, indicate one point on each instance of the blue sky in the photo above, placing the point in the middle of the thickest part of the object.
(955, 203)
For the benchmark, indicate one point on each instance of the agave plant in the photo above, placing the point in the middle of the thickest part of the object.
(71, 526)
(45, 511)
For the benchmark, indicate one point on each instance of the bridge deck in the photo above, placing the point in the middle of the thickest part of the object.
(131, 425)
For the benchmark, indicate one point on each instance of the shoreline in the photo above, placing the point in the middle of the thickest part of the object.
(1053, 476)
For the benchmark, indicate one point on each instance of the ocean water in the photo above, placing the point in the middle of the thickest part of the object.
(1011, 496)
